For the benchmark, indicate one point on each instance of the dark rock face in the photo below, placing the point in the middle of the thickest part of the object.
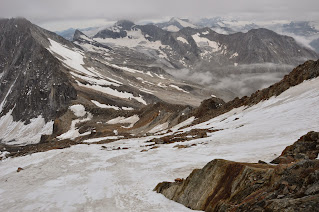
(82, 38)
(307, 147)
(230, 186)
(218, 184)
(32, 82)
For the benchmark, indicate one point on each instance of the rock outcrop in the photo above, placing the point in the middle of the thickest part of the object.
(231, 186)
(307, 147)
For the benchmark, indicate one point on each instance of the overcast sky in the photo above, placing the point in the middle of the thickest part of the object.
(61, 14)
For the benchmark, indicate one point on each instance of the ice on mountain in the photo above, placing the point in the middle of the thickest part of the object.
(72, 58)
(105, 105)
(183, 40)
(122, 120)
(19, 133)
(159, 127)
(113, 92)
(73, 132)
(234, 55)
(178, 88)
(78, 110)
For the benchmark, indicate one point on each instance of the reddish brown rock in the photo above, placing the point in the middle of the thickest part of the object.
(230, 186)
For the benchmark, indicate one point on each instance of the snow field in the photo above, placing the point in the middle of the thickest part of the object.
(92, 178)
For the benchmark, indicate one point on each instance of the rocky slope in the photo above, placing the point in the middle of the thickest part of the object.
(305, 32)
(191, 45)
(33, 81)
(231, 186)
(119, 173)
(43, 75)
(90, 89)
(304, 149)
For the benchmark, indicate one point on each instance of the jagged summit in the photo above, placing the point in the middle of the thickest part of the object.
(175, 24)
(78, 34)
(124, 24)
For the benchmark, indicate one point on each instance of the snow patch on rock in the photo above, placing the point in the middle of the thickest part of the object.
(159, 127)
(19, 133)
(73, 132)
(122, 120)
(78, 110)
(73, 58)
(183, 40)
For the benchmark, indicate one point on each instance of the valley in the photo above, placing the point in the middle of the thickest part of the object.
(100, 121)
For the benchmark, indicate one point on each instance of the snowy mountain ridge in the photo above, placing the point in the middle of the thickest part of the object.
(204, 56)
(85, 125)
(244, 134)
(33, 100)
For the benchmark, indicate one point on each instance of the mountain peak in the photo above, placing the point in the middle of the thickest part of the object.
(124, 24)
(78, 34)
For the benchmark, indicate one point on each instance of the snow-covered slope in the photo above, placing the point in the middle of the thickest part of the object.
(120, 176)
(43, 75)
(235, 65)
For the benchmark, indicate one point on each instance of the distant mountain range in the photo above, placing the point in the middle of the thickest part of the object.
(125, 68)
(42, 75)
(204, 56)
(112, 115)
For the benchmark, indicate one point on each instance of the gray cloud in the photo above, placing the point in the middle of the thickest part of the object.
(53, 13)
(244, 81)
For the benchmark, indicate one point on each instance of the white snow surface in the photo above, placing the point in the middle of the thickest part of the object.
(19, 133)
(171, 28)
(202, 42)
(110, 106)
(92, 140)
(114, 92)
(73, 58)
(183, 40)
(234, 55)
(159, 127)
(78, 110)
(183, 124)
(91, 178)
(6, 96)
(135, 39)
(105, 105)
(97, 81)
(122, 120)
(73, 132)
(178, 88)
